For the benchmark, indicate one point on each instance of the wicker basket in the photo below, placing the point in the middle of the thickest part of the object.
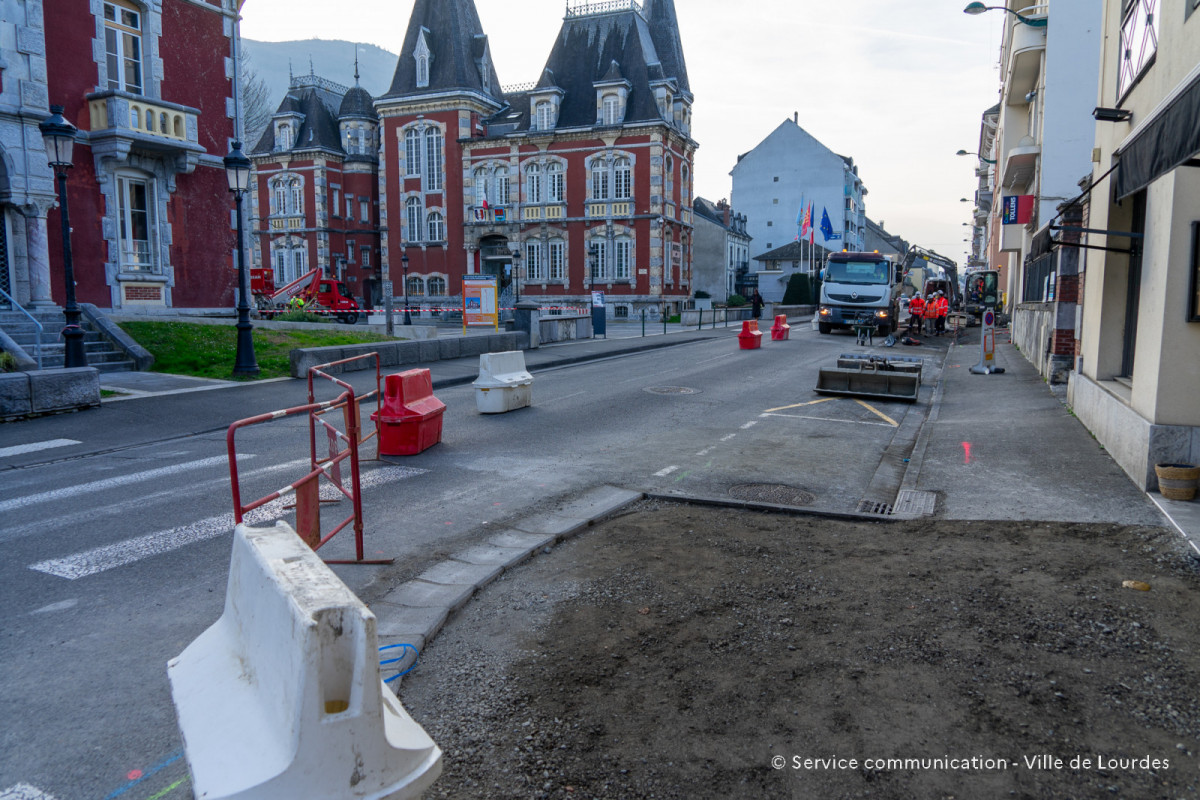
(1177, 481)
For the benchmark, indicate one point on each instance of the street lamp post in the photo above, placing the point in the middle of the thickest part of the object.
(237, 172)
(516, 268)
(979, 8)
(59, 136)
(404, 262)
(971, 153)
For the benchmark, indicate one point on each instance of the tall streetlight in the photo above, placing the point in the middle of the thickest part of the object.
(516, 267)
(972, 153)
(59, 136)
(979, 8)
(404, 263)
(237, 172)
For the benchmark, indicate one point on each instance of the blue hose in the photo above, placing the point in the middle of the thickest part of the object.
(397, 660)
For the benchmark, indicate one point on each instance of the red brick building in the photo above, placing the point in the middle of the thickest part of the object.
(150, 85)
(587, 173)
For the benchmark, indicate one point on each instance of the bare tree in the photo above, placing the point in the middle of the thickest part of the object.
(256, 97)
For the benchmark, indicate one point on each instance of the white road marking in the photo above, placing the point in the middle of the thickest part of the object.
(23, 791)
(21, 449)
(662, 473)
(110, 483)
(749, 425)
(59, 521)
(61, 606)
(728, 436)
(102, 559)
(705, 452)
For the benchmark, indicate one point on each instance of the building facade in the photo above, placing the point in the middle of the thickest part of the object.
(787, 172)
(1137, 376)
(722, 248)
(580, 181)
(316, 190)
(151, 88)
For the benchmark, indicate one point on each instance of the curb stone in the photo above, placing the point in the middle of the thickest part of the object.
(403, 616)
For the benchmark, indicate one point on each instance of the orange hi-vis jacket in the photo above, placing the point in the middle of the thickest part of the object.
(916, 307)
(943, 307)
(931, 309)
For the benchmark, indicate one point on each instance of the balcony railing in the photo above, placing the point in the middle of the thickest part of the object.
(151, 124)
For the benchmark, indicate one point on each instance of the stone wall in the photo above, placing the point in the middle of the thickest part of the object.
(47, 391)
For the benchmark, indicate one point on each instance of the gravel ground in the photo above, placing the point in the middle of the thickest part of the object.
(684, 652)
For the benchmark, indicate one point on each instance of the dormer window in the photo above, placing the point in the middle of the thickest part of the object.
(283, 136)
(612, 109)
(423, 55)
(545, 116)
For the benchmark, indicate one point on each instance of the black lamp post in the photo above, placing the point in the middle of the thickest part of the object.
(237, 171)
(404, 262)
(59, 136)
(516, 267)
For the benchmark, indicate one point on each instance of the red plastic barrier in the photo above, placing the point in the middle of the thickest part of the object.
(410, 418)
(751, 337)
(782, 331)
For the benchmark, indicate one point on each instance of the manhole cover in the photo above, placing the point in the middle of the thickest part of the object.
(773, 493)
(672, 390)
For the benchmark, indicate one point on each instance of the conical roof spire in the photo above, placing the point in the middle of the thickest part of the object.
(459, 58)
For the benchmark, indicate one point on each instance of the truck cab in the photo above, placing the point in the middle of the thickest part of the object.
(335, 296)
(858, 288)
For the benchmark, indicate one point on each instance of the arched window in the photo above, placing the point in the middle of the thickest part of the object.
(556, 185)
(412, 208)
(622, 258)
(533, 184)
(683, 183)
(598, 259)
(278, 197)
(295, 196)
(500, 181)
(534, 266)
(545, 116)
(422, 71)
(612, 109)
(416, 286)
(481, 187)
(557, 259)
(670, 164)
(283, 136)
(289, 259)
(412, 152)
(433, 160)
(437, 286)
(599, 179)
(623, 175)
(437, 227)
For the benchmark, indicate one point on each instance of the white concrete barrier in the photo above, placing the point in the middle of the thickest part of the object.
(503, 384)
(282, 698)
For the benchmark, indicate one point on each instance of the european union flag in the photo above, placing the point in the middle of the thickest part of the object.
(826, 225)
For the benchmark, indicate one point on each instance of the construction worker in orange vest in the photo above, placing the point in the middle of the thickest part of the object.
(916, 311)
(931, 312)
(943, 311)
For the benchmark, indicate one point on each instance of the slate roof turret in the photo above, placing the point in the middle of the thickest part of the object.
(357, 103)
(459, 54)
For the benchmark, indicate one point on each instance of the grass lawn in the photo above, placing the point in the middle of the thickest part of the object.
(208, 351)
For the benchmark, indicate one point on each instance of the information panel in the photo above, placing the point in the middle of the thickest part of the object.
(479, 301)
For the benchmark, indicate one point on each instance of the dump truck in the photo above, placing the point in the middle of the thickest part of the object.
(859, 289)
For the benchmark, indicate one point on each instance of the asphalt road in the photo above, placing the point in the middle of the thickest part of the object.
(114, 560)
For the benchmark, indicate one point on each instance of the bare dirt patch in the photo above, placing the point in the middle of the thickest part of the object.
(676, 651)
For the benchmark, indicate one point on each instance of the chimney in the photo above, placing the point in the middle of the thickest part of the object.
(796, 119)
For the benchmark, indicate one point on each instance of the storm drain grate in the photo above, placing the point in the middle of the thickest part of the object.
(773, 493)
(917, 504)
(672, 390)
(874, 507)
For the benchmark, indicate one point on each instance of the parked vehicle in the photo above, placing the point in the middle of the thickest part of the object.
(983, 291)
(859, 288)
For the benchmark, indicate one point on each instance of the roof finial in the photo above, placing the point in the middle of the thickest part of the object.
(311, 69)
(356, 63)
(291, 75)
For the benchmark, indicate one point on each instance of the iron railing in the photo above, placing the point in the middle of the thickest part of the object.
(38, 341)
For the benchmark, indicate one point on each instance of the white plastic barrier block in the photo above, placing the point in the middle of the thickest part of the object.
(504, 384)
(282, 698)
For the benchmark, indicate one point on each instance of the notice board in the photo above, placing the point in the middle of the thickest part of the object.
(480, 306)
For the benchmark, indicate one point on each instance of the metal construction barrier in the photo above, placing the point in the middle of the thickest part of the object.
(879, 378)
(344, 446)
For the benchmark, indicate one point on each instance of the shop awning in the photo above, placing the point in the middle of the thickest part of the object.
(1168, 141)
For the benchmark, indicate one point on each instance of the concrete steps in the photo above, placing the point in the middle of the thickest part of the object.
(99, 351)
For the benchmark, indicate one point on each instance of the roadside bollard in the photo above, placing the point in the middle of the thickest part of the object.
(410, 417)
(781, 332)
(751, 337)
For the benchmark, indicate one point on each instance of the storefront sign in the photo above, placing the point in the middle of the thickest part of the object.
(1018, 209)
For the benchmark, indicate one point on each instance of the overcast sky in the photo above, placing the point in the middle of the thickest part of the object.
(898, 85)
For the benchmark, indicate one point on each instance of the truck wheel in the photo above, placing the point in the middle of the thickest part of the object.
(824, 327)
(350, 318)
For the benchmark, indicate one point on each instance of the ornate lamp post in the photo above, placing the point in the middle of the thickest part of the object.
(59, 136)
(237, 171)
(516, 266)
(404, 262)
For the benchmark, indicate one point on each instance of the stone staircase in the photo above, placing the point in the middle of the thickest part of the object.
(101, 353)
